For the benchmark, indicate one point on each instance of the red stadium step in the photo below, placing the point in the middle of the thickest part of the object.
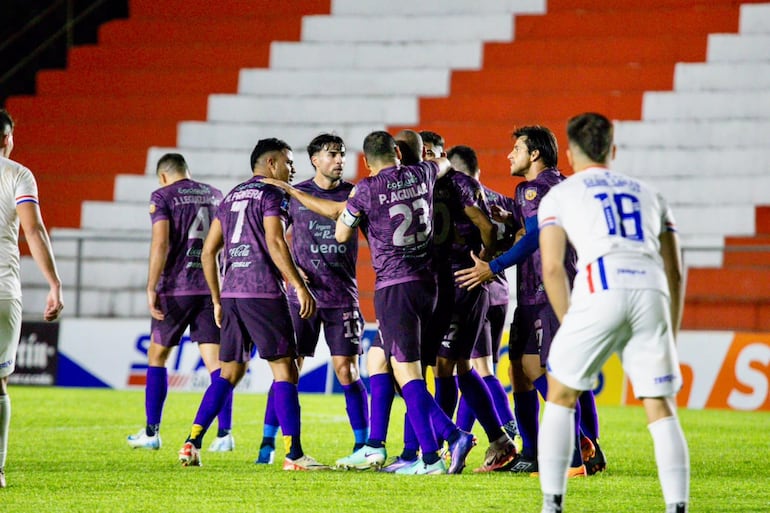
(500, 108)
(747, 251)
(736, 283)
(762, 220)
(551, 79)
(610, 50)
(640, 20)
(104, 134)
(205, 9)
(148, 32)
(97, 82)
(726, 314)
(110, 108)
(179, 57)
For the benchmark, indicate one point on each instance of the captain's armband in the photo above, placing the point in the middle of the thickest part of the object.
(349, 219)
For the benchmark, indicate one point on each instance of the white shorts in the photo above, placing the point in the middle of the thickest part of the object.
(635, 323)
(10, 331)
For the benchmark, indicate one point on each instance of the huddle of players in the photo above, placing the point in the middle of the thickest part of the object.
(466, 234)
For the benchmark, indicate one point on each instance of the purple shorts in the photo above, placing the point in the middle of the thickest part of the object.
(466, 327)
(342, 330)
(532, 331)
(402, 313)
(197, 312)
(256, 322)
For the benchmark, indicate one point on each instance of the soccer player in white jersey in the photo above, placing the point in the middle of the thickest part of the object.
(626, 299)
(18, 206)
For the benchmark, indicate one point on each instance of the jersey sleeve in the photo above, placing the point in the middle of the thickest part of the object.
(358, 199)
(159, 208)
(668, 223)
(548, 213)
(26, 187)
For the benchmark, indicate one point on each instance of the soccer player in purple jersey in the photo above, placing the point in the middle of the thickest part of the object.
(19, 206)
(177, 294)
(250, 304)
(329, 270)
(485, 351)
(626, 299)
(395, 203)
(534, 157)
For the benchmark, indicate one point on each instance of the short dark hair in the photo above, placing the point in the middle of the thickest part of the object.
(6, 121)
(267, 146)
(432, 138)
(467, 155)
(410, 144)
(540, 138)
(174, 162)
(379, 146)
(322, 141)
(593, 134)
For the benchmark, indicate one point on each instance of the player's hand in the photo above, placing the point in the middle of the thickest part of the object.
(499, 214)
(53, 304)
(474, 276)
(521, 233)
(218, 314)
(306, 303)
(153, 302)
(284, 186)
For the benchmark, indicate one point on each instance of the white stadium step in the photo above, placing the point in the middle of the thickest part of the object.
(722, 221)
(96, 274)
(205, 162)
(726, 76)
(390, 28)
(717, 106)
(693, 134)
(300, 82)
(378, 57)
(333, 110)
(237, 136)
(688, 162)
(101, 245)
(439, 7)
(92, 303)
(755, 19)
(716, 191)
(738, 48)
(110, 215)
(138, 188)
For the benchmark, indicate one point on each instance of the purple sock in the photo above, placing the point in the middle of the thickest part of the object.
(465, 416)
(411, 444)
(381, 401)
(577, 455)
(271, 424)
(479, 399)
(589, 416)
(541, 384)
(357, 406)
(446, 394)
(442, 424)
(155, 392)
(287, 409)
(213, 399)
(526, 406)
(225, 415)
(500, 398)
(418, 407)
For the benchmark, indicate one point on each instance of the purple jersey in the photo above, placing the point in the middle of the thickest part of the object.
(467, 237)
(188, 206)
(249, 270)
(397, 206)
(529, 274)
(498, 287)
(329, 266)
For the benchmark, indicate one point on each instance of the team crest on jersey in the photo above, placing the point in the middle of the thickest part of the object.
(530, 194)
(152, 208)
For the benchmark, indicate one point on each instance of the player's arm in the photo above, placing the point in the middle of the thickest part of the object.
(158, 255)
(42, 253)
(279, 252)
(345, 228)
(482, 271)
(672, 263)
(486, 228)
(553, 245)
(212, 245)
(324, 207)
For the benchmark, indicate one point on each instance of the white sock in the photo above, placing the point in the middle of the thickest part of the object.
(673, 459)
(555, 443)
(5, 423)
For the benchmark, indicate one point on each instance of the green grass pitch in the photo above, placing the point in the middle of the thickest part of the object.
(68, 453)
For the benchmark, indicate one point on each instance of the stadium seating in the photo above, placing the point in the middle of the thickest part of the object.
(471, 71)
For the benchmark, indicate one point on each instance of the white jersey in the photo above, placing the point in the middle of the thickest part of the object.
(614, 222)
(17, 186)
